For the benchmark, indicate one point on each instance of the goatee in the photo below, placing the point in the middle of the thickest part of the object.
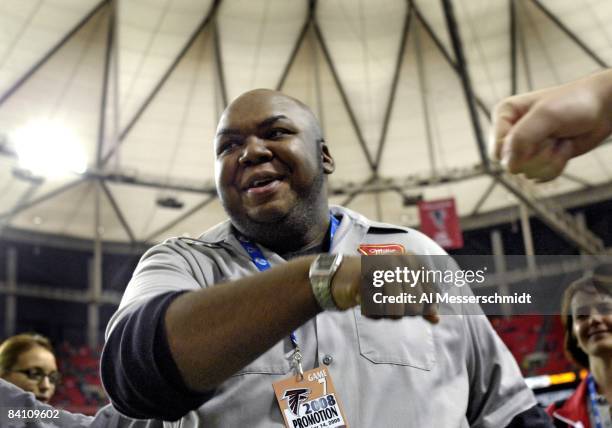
(292, 231)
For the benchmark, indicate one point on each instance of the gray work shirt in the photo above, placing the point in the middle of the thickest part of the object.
(387, 373)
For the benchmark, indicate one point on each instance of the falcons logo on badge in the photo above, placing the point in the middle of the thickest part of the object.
(295, 397)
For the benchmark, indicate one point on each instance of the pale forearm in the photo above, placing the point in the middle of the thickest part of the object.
(539, 132)
(603, 84)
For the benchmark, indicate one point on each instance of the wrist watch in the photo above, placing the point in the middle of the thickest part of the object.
(321, 272)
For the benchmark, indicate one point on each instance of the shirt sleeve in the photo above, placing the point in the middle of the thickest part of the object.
(498, 392)
(138, 370)
(137, 367)
(14, 398)
(534, 417)
(166, 267)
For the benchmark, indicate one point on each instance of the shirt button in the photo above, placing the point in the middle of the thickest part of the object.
(327, 360)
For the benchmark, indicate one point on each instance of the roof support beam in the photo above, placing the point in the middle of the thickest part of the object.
(64, 294)
(181, 218)
(110, 42)
(219, 63)
(570, 34)
(466, 84)
(579, 198)
(124, 133)
(339, 188)
(577, 180)
(424, 104)
(72, 243)
(352, 194)
(524, 53)
(483, 198)
(5, 220)
(344, 96)
(554, 217)
(118, 212)
(32, 70)
(394, 82)
(297, 45)
(481, 104)
(42, 198)
(350, 198)
(513, 53)
(155, 183)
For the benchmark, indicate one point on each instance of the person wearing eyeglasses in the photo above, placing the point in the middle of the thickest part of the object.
(28, 366)
(27, 361)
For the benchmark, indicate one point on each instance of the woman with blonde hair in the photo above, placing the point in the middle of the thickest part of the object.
(27, 361)
(28, 366)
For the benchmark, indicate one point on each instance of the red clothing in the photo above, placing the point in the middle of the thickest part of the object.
(573, 412)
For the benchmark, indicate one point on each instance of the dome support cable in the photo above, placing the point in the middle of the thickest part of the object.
(24, 78)
(394, 83)
(124, 133)
(554, 216)
(550, 15)
(344, 97)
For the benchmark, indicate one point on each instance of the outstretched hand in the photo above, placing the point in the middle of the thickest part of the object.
(537, 133)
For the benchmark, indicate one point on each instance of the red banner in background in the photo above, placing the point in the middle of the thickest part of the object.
(440, 222)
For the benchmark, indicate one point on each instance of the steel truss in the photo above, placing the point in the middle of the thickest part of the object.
(553, 216)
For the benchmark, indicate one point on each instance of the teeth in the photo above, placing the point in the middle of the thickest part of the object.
(258, 183)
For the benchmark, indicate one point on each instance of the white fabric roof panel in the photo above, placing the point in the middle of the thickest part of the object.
(429, 130)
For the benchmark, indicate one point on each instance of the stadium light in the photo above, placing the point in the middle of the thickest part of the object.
(49, 149)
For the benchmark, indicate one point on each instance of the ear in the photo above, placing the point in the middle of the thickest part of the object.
(327, 160)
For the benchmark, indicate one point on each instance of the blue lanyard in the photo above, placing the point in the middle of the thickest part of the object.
(594, 405)
(262, 263)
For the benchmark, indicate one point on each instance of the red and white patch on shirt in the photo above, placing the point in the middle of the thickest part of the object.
(381, 249)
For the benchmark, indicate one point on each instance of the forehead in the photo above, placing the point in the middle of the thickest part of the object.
(589, 297)
(251, 109)
(37, 357)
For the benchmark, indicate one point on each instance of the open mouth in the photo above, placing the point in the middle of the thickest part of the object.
(263, 186)
(261, 183)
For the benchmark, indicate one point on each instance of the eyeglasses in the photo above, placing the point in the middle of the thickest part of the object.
(37, 375)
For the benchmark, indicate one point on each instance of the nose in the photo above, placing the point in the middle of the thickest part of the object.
(44, 385)
(255, 151)
(595, 316)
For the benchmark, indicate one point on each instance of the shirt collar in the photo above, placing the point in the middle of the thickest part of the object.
(351, 222)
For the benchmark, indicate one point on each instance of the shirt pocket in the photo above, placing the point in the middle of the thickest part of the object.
(405, 342)
(275, 361)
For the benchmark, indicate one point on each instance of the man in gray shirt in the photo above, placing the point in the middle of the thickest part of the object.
(205, 326)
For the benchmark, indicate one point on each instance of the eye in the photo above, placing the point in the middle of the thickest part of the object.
(277, 133)
(227, 147)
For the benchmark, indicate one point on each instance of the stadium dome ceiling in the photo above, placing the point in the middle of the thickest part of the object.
(140, 84)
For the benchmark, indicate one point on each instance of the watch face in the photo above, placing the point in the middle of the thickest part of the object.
(325, 262)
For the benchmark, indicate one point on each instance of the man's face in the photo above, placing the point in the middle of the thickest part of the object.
(269, 158)
(592, 319)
